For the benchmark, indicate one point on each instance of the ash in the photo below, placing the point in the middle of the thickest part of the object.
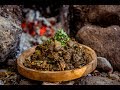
(36, 29)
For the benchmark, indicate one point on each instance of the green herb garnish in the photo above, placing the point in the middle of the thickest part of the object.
(62, 37)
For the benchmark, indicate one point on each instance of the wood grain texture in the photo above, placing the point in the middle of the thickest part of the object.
(56, 76)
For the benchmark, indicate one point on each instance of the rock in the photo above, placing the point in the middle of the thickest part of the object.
(95, 73)
(117, 73)
(49, 83)
(1, 82)
(3, 70)
(11, 62)
(9, 38)
(24, 82)
(105, 42)
(101, 15)
(67, 83)
(10, 30)
(89, 75)
(103, 74)
(12, 12)
(114, 76)
(104, 65)
(97, 80)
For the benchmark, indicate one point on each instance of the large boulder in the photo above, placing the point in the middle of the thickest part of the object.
(104, 65)
(12, 12)
(101, 15)
(9, 38)
(10, 31)
(105, 42)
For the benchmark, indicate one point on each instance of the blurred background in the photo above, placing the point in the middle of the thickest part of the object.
(39, 23)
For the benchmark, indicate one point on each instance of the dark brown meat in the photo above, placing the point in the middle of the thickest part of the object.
(51, 56)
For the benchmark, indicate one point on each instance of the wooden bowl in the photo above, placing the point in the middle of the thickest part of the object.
(56, 76)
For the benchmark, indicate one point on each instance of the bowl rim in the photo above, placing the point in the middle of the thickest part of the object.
(40, 71)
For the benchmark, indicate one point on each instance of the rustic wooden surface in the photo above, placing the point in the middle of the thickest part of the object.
(56, 76)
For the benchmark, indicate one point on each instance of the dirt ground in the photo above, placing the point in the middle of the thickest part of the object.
(10, 76)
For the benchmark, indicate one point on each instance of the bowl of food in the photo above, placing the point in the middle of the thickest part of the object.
(58, 59)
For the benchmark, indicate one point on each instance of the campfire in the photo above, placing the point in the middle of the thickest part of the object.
(38, 26)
